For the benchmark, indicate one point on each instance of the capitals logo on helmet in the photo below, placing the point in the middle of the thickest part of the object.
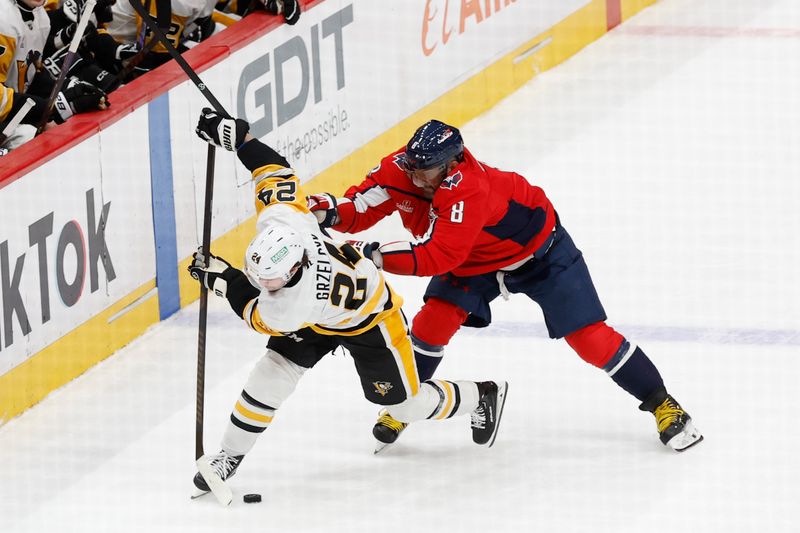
(273, 255)
(434, 144)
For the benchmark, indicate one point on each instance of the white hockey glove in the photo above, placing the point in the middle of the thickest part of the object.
(225, 132)
(369, 250)
(323, 205)
(211, 275)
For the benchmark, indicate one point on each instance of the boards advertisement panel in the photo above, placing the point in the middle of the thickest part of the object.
(95, 235)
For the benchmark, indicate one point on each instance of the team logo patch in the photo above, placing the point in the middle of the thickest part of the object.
(382, 387)
(399, 160)
(280, 254)
(451, 182)
(406, 206)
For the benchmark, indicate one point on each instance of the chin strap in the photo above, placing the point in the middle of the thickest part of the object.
(22, 7)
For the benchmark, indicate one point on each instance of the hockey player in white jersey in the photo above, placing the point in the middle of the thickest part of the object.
(312, 294)
(126, 27)
(24, 27)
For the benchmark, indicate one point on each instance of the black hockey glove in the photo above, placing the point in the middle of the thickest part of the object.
(108, 53)
(289, 8)
(227, 133)
(125, 52)
(84, 70)
(211, 276)
(63, 37)
(78, 97)
(204, 28)
(323, 205)
(369, 250)
(98, 77)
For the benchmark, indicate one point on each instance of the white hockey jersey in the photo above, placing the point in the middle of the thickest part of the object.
(340, 293)
(126, 25)
(21, 46)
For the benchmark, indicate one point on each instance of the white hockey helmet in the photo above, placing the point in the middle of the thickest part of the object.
(273, 257)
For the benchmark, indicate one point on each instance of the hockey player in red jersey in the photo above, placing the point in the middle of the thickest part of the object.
(481, 233)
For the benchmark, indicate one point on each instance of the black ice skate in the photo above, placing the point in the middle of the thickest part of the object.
(386, 430)
(486, 417)
(675, 426)
(214, 470)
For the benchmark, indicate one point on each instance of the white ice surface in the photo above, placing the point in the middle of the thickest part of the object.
(671, 148)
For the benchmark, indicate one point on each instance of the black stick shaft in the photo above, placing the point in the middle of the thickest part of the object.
(201, 330)
(209, 196)
(177, 57)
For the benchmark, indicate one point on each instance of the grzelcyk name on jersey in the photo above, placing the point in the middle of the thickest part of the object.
(323, 270)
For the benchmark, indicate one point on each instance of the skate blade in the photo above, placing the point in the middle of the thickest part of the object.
(686, 438)
(380, 446)
(502, 392)
(198, 493)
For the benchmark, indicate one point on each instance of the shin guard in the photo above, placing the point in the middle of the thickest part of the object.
(600, 345)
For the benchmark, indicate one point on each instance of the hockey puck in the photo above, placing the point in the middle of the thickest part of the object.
(252, 498)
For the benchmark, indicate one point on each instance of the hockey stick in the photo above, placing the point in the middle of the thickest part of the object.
(202, 322)
(179, 59)
(15, 121)
(221, 491)
(218, 487)
(164, 18)
(68, 59)
(143, 48)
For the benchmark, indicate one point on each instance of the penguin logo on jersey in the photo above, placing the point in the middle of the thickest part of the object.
(382, 387)
(451, 182)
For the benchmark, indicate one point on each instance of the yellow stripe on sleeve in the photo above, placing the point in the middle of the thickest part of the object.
(257, 324)
(377, 298)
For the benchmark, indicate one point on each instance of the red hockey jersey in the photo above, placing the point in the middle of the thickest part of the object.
(480, 219)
